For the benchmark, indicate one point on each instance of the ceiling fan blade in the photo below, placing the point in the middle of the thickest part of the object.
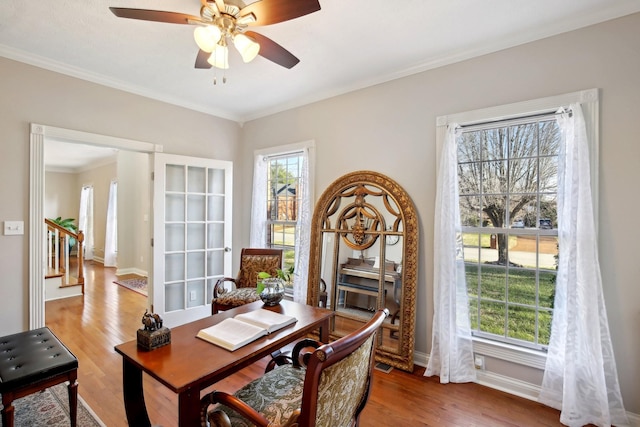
(273, 51)
(201, 59)
(273, 11)
(154, 15)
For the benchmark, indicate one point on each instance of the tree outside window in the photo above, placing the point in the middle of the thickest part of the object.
(283, 200)
(507, 175)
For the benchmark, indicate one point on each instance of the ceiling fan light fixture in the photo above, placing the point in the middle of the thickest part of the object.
(247, 47)
(207, 37)
(220, 57)
(247, 19)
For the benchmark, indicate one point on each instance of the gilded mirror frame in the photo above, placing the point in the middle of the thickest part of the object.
(358, 186)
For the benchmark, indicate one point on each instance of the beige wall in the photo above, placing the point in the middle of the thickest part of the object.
(100, 179)
(390, 128)
(134, 226)
(60, 198)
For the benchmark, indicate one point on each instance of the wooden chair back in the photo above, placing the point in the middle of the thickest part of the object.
(255, 260)
(338, 378)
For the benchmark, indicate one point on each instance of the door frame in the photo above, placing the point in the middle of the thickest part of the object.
(39, 134)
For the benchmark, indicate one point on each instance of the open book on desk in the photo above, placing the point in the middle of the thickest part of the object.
(235, 332)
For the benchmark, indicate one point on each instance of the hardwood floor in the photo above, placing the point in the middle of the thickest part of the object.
(109, 314)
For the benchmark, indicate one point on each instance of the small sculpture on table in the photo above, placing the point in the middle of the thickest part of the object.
(153, 334)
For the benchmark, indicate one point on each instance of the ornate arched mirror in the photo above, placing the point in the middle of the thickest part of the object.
(363, 257)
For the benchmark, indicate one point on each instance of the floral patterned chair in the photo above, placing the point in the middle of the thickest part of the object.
(331, 391)
(252, 262)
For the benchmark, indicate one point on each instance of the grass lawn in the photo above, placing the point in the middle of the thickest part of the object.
(503, 301)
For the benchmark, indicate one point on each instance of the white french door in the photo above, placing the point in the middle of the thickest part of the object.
(192, 234)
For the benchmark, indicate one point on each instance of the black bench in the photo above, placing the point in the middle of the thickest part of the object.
(32, 361)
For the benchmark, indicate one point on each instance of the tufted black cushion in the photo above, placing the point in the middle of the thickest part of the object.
(32, 356)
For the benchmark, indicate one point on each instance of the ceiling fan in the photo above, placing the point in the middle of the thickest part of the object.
(221, 21)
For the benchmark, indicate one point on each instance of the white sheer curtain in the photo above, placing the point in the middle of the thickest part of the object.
(258, 236)
(85, 220)
(580, 377)
(303, 232)
(111, 232)
(451, 348)
(258, 233)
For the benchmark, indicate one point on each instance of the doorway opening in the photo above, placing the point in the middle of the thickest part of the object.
(40, 136)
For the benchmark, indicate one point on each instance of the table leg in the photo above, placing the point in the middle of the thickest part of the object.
(134, 405)
(323, 331)
(189, 408)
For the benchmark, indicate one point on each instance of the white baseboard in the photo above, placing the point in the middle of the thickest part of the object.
(510, 385)
(133, 270)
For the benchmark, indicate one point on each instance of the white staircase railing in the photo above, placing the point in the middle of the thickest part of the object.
(59, 253)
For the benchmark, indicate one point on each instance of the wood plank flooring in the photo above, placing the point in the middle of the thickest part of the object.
(109, 314)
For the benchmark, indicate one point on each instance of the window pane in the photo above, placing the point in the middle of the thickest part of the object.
(522, 286)
(469, 178)
(284, 187)
(494, 144)
(494, 212)
(494, 177)
(492, 317)
(469, 148)
(544, 327)
(472, 242)
(523, 176)
(196, 179)
(548, 212)
(523, 141)
(508, 207)
(493, 282)
(470, 211)
(522, 210)
(522, 323)
(549, 138)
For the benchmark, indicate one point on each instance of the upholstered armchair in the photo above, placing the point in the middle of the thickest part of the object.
(331, 391)
(252, 262)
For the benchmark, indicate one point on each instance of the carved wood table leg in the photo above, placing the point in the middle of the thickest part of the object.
(134, 405)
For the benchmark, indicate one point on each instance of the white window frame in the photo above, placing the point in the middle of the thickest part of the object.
(284, 150)
(589, 100)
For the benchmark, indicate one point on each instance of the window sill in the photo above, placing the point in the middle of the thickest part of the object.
(510, 353)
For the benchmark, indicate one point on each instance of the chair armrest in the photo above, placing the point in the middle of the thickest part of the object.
(304, 346)
(219, 288)
(302, 351)
(232, 402)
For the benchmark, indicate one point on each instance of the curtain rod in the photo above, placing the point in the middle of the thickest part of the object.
(287, 154)
(530, 117)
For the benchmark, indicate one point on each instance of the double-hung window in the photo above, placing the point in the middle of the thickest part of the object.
(507, 175)
(284, 185)
(281, 205)
(507, 170)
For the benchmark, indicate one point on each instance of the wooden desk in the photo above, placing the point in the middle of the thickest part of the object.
(188, 365)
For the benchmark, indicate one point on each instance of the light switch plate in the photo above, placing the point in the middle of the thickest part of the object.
(13, 228)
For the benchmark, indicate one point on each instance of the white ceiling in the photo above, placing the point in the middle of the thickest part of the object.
(69, 157)
(347, 45)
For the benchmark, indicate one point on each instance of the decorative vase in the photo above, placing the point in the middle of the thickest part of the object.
(273, 291)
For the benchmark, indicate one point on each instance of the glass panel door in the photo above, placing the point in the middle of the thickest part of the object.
(193, 237)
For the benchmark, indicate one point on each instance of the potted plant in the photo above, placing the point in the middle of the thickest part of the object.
(67, 223)
(271, 289)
